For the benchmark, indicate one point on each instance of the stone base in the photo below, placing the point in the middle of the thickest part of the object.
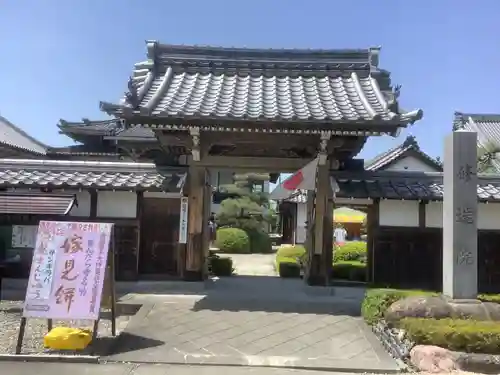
(193, 275)
(442, 307)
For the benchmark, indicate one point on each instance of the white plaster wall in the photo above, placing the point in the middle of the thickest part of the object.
(83, 208)
(215, 208)
(398, 213)
(266, 186)
(83, 199)
(300, 233)
(410, 163)
(119, 204)
(488, 215)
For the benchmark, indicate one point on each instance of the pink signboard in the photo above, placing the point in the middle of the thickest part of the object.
(67, 272)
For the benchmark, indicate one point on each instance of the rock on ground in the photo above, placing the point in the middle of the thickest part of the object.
(433, 359)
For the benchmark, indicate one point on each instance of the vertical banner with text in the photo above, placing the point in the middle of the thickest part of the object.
(183, 220)
(67, 272)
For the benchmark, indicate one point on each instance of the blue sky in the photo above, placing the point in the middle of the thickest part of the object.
(60, 58)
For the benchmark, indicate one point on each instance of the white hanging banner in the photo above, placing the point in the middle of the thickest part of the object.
(183, 220)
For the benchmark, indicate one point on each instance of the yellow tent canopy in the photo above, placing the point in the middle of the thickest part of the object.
(348, 215)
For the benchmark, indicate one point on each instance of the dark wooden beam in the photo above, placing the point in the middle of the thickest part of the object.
(256, 164)
(421, 214)
(93, 204)
(372, 228)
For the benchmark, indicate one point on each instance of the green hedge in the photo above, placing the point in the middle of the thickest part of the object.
(350, 251)
(377, 301)
(349, 270)
(455, 334)
(288, 269)
(221, 266)
(232, 240)
(260, 242)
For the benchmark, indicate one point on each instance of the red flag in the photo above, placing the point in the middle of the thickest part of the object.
(304, 178)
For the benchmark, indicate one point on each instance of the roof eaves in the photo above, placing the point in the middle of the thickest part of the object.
(39, 147)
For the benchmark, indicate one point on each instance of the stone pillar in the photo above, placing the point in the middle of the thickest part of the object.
(460, 216)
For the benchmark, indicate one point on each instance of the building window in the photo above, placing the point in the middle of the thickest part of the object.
(258, 188)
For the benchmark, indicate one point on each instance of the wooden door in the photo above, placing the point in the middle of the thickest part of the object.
(159, 237)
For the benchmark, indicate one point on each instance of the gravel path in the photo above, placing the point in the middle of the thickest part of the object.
(10, 319)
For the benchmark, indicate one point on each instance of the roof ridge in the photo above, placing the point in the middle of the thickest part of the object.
(409, 143)
(154, 47)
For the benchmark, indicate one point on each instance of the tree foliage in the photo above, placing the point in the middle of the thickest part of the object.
(487, 158)
(248, 209)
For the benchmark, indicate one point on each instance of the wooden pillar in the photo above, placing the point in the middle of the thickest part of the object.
(421, 214)
(194, 253)
(309, 244)
(372, 227)
(207, 205)
(93, 204)
(140, 201)
(318, 262)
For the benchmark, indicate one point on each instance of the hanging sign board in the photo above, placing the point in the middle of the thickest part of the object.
(183, 220)
(67, 271)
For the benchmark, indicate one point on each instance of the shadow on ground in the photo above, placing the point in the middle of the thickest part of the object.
(129, 342)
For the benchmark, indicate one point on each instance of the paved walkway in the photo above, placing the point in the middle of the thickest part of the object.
(23, 368)
(253, 264)
(278, 326)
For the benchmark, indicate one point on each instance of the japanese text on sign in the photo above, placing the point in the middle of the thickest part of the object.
(66, 277)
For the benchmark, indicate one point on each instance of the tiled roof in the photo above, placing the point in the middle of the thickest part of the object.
(36, 203)
(292, 86)
(83, 150)
(89, 174)
(136, 132)
(87, 127)
(402, 185)
(394, 154)
(13, 136)
(487, 127)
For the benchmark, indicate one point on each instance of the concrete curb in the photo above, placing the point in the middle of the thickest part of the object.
(89, 359)
(345, 366)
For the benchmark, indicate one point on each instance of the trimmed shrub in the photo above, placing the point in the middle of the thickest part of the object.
(463, 335)
(377, 301)
(349, 270)
(288, 269)
(221, 266)
(260, 242)
(295, 251)
(289, 254)
(495, 298)
(350, 251)
(232, 240)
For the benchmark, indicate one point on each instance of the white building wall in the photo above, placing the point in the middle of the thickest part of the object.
(83, 208)
(116, 204)
(410, 163)
(488, 215)
(397, 213)
(300, 234)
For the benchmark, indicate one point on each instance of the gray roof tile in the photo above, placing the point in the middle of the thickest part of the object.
(13, 136)
(136, 132)
(86, 174)
(87, 127)
(271, 85)
(402, 185)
